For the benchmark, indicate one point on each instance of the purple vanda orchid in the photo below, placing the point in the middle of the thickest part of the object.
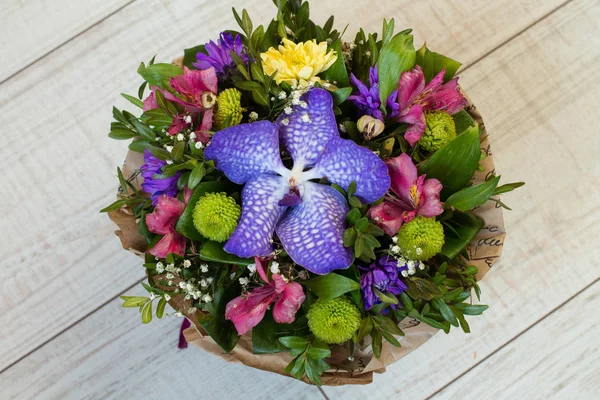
(414, 98)
(308, 217)
(411, 195)
(383, 276)
(247, 311)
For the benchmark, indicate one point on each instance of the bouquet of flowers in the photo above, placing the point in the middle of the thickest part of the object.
(315, 207)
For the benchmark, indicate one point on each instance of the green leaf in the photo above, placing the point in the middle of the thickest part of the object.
(340, 95)
(196, 176)
(330, 286)
(471, 309)
(397, 56)
(365, 328)
(388, 31)
(463, 121)
(446, 312)
(122, 134)
(362, 224)
(433, 63)
(147, 313)
(160, 308)
(293, 342)
(265, 335)
(464, 228)
(221, 330)
(139, 145)
(143, 129)
(185, 224)
(213, 251)
(133, 301)
(158, 117)
(461, 319)
(337, 72)
(509, 187)
(135, 101)
(353, 216)
(189, 55)
(376, 343)
(159, 153)
(474, 196)
(159, 74)
(349, 237)
(178, 149)
(386, 297)
(430, 321)
(419, 288)
(454, 164)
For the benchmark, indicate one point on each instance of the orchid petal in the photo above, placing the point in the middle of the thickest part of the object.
(387, 216)
(305, 132)
(289, 302)
(403, 173)
(312, 232)
(246, 313)
(260, 213)
(194, 82)
(172, 242)
(415, 132)
(150, 102)
(436, 82)
(165, 215)
(430, 204)
(411, 85)
(245, 151)
(343, 162)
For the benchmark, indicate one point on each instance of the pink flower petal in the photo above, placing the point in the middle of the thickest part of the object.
(403, 174)
(387, 216)
(246, 313)
(430, 204)
(177, 125)
(411, 85)
(436, 82)
(166, 213)
(150, 101)
(207, 123)
(172, 242)
(289, 302)
(446, 98)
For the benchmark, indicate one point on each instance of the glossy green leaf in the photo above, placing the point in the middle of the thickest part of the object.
(213, 251)
(266, 335)
(474, 196)
(454, 164)
(221, 330)
(337, 73)
(464, 227)
(133, 100)
(433, 63)
(340, 95)
(159, 74)
(397, 56)
(509, 187)
(122, 134)
(189, 55)
(330, 286)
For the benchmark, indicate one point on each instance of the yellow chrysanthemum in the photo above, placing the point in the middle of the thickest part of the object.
(298, 64)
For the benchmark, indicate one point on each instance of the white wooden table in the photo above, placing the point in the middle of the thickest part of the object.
(530, 66)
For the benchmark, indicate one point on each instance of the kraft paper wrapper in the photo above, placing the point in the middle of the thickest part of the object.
(355, 368)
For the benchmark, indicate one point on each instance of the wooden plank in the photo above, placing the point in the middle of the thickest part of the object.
(540, 137)
(54, 266)
(112, 355)
(563, 360)
(30, 29)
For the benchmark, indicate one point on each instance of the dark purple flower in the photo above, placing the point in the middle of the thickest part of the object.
(156, 187)
(383, 276)
(219, 55)
(367, 97)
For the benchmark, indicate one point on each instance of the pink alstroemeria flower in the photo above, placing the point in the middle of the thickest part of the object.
(162, 221)
(415, 98)
(412, 195)
(247, 311)
(197, 93)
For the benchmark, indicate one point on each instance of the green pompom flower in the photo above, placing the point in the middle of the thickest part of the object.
(333, 321)
(421, 238)
(439, 131)
(216, 216)
(229, 109)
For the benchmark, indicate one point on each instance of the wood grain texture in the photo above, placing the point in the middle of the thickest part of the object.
(549, 142)
(62, 260)
(30, 29)
(557, 358)
(111, 355)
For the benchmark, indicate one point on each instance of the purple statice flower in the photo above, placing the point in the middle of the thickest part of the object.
(383, 276)
(308, 217)
(219, 56)
(367, 98)
(156, 187)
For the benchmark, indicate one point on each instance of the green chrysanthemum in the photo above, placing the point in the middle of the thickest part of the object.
(439, 130)
(333, 321)
(421, 238)
(216, 216)
(229, 109)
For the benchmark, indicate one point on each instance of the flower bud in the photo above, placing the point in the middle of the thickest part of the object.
(370, 127)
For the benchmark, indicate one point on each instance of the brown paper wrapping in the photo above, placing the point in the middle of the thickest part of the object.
(356, 368)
